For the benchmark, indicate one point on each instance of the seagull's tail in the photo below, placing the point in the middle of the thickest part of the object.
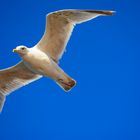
(66, 83)
(2, 100)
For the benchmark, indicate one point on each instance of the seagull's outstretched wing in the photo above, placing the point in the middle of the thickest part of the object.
(14, 78)
(59, 26)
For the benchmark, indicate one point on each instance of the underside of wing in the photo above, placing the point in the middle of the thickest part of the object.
(2, 100)
(15, 77)
(59, 26)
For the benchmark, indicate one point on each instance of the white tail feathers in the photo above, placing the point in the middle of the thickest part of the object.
(66, 85)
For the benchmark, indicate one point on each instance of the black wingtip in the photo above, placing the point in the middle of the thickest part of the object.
(102, 12)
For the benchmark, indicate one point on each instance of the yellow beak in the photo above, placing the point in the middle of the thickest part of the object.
(14, 50)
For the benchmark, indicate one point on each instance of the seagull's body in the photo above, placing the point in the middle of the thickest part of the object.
(40, 63)
(42, 59)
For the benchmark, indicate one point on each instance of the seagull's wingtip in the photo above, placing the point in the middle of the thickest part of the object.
(113, 13)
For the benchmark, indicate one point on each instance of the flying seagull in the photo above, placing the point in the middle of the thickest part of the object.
(42, 59)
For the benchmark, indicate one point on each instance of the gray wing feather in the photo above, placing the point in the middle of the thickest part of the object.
(59, 26)
(2, 100)
(14, 78)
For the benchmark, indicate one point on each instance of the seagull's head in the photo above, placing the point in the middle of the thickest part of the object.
(22, 50)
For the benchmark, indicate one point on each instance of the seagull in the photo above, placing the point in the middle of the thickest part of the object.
(42, 60)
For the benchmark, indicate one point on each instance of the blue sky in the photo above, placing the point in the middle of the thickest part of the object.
(105, 103)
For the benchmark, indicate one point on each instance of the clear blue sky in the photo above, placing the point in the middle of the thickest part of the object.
(105, 103)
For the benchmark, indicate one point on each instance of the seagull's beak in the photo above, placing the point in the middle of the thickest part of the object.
(14, 50)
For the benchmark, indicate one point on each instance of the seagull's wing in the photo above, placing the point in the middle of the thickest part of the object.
(14, 78)
(59, 26)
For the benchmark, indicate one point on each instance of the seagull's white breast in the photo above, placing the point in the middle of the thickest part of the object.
(38, 60)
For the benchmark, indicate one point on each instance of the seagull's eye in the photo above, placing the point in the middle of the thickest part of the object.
(23, 48)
